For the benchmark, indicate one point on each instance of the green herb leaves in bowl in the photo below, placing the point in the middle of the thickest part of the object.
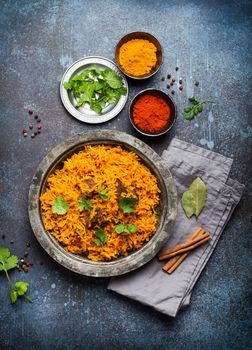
(96, 87)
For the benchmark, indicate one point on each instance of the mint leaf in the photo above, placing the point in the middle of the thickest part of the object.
(101, 237)
(60, 206)
(7, 261)
(21, 287)
(83, 204)
(104, 194)
(127, 204)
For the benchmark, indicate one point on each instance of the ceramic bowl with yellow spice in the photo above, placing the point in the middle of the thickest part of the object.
(138, 55)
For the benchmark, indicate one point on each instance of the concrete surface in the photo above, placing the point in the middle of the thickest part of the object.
(210, 42)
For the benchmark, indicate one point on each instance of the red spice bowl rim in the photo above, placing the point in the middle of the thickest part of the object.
(169, 101)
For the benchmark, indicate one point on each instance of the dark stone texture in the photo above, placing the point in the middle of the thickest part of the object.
(210, 42)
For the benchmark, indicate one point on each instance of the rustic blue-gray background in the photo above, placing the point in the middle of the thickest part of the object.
(210, 42)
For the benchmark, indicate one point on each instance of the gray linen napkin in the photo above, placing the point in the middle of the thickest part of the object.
(149, 284)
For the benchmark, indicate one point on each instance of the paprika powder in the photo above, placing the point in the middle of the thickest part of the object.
(150, 113)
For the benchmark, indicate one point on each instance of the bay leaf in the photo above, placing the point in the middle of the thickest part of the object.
(188, 203)
(199, 191)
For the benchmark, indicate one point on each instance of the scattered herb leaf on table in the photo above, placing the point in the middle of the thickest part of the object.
(190, 112)
(96, 87)
(8, 262)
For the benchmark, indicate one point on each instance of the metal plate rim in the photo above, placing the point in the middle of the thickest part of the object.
(93, 119)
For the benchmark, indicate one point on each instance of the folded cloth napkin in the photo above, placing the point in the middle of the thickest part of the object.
(149, 284)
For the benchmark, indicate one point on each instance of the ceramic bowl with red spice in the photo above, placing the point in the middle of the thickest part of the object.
(152, 112)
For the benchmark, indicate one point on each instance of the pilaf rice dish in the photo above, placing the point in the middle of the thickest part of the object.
(101, 203)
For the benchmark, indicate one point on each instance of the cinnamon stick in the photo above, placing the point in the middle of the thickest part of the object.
(195, 237)
(182, 257)
(177, 263)
(188, 247)
(172, 261)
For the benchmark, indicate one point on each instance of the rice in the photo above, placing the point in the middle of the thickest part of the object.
(94, 169)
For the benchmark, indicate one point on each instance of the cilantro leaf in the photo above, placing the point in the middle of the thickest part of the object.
(132, 228)
(96, 87)
(190, 112)
(13, 296)
(7, 261)
(21, 287)
(86, 94)
(104, 194)
(112, 78)
(95, 106)
(101, 238)
(83, 204)
(68, 85)
(94, 71)
(127, 204)
(60, 206)
(125, 229)
(119, 228)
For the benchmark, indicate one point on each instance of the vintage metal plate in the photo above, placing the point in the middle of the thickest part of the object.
(85, 113)
(166, 210)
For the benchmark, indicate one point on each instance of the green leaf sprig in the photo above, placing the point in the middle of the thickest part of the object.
(190, 112)
(104, 194)
(84, 204)
(127, 204)
(96, 87)
(60, 206)
(101, 237)
(194, 199)
(8, 262)
(125, 229)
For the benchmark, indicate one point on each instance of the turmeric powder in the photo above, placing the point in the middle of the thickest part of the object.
(137, 57)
